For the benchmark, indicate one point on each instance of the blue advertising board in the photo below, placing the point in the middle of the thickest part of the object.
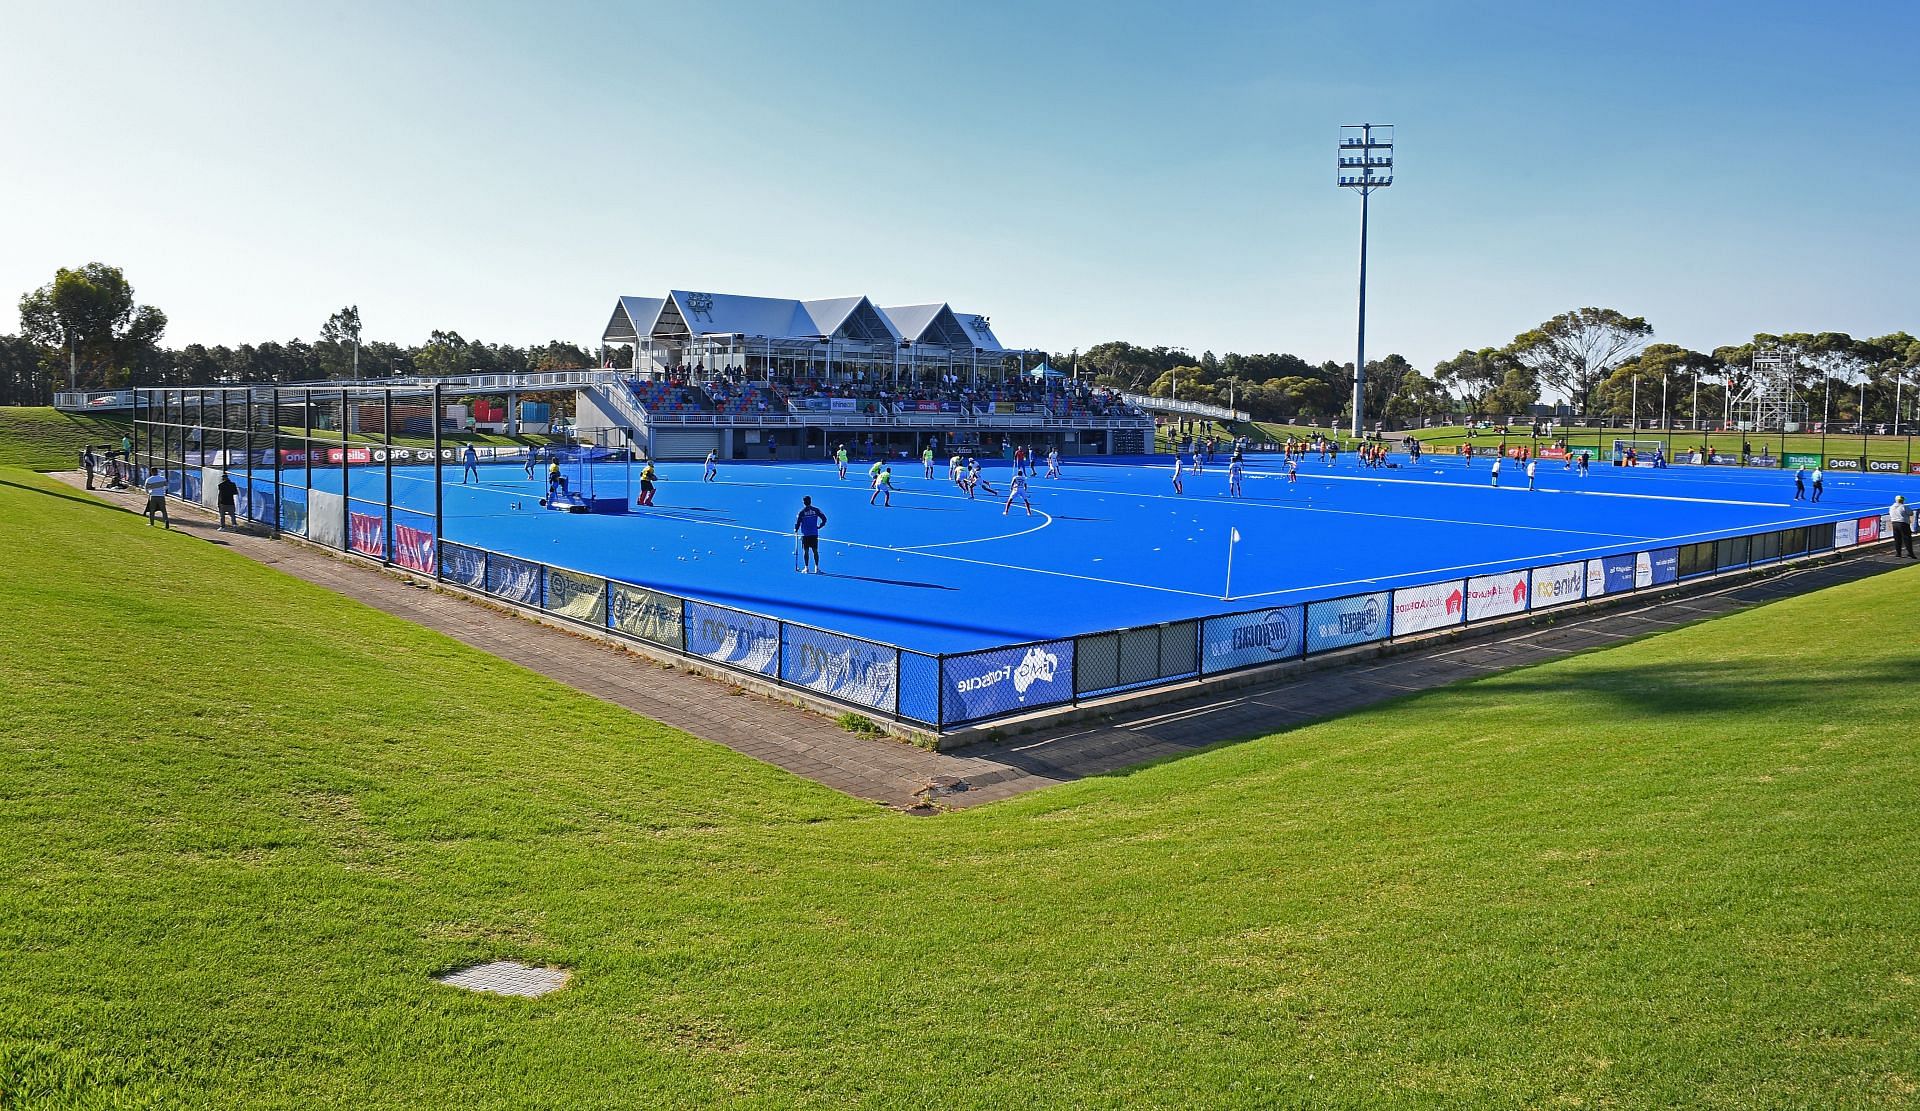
(1665, 564)
(1003, 680)
(842, 667)
(1249, 639)
(1618, 573)
(745, 640)
(1344, 622)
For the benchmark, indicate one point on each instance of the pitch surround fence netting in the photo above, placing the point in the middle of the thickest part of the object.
(941, 692)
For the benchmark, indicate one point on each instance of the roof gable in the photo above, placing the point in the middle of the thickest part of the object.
(979, 330)
(632, 318)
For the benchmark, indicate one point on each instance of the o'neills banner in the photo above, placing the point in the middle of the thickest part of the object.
(1417, 609)
(1869, 530)
(1559, 584)
(1496, 595)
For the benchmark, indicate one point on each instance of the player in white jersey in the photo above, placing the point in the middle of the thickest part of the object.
(1053, 463)
(712, 468)
(1178, 487)
(1233, 480)
(1017, 491)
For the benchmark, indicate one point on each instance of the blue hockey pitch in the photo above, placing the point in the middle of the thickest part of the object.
(1110, 544)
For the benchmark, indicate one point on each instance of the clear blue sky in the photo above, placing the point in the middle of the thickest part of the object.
(1156, 173)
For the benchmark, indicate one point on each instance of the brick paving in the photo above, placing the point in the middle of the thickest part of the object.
(900, 775)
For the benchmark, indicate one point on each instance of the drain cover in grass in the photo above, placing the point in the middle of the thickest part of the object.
(508, 978)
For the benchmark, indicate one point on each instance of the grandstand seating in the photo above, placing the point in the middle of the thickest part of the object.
(665, 397)
(748, 400)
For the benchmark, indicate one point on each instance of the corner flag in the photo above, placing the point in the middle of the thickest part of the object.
(1236, 535)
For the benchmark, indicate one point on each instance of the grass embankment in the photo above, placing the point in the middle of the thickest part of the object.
(42, 438)
(242, 821)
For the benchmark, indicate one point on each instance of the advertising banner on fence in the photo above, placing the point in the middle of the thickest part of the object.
(1248, 639)
(581, 597)
(1843, 462)
(260, 505)
(1808, 459)
(293, 508)
(1656, 567)
(367, 533)
(464, 566)
(1496, 595)
(1609, 575)
(841, 667)
(1344, 622)
(1417, 609)
(984, 684)
(516, 580)
(1559, 584)
(326, 518)
(1885, 466)
(645, 614)
(413, 547)
(1846, 534)
(742, 639)
(1868, 530)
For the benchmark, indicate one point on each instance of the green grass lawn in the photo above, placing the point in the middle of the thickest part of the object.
(41, 438)
(1728, 443)
(243, 820)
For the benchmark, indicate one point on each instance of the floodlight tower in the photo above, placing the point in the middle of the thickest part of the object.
(1366, 164)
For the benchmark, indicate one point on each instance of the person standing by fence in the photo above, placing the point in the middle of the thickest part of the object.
(227, 494)
(87, 463)
(1900, 514)
(156, 486)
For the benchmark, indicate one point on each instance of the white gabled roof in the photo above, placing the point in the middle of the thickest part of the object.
(978, 330)
(928, 324)
(843, 318)
(721, 313)
(633, 317)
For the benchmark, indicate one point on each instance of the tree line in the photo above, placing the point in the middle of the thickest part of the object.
(1590, 362)
(86, 327)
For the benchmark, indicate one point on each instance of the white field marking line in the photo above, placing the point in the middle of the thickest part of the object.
(953, 558)
(1466, 486)
(1354, 512)
(1585, 553)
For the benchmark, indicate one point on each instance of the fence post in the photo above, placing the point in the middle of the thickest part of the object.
(386, 433)
(439, 518)
(346, 478)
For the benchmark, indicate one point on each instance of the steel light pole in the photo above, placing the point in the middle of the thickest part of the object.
(1365, 164)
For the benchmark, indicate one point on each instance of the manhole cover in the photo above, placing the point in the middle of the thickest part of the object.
(508, 978)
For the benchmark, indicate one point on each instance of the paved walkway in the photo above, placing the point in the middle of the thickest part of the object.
(902, 776)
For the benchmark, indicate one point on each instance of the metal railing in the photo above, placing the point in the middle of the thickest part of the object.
(1186, 408)
(92, 401)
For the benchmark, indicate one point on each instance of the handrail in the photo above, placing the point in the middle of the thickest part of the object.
(1190, 408)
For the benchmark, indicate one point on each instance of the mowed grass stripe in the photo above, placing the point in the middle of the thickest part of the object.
(243, 820)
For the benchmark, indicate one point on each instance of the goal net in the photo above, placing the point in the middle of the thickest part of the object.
(1643, 451)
